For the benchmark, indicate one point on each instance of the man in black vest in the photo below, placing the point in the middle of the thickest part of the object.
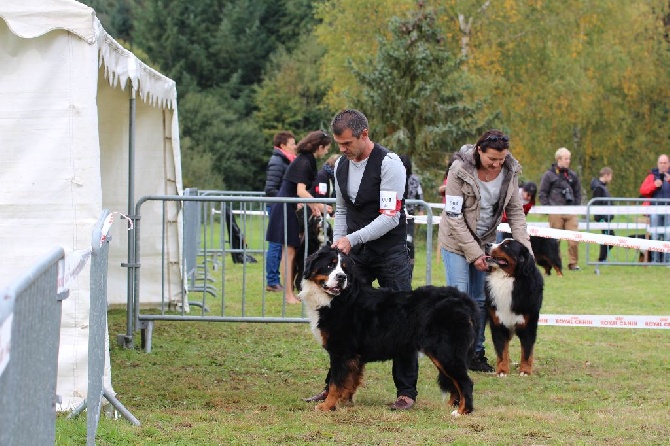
(370, 225)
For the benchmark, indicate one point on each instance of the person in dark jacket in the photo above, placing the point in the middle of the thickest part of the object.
(657, 185)
(283, 153)
(370, 226)
(297, 182)
(560, 186)
(599, 188)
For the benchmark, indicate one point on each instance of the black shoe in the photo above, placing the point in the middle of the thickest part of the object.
(479, 363)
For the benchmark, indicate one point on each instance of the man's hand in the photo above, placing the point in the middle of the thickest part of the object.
(342, 244)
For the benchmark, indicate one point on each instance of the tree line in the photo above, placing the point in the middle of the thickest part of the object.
(431, 75)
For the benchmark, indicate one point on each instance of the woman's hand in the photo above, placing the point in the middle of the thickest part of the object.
(481, 264)
(318, 208)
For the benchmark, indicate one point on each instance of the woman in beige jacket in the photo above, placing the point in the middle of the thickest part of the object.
(482, 183)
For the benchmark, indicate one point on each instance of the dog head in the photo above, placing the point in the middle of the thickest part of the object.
(330, 270)
(319, 230)
(510, 256)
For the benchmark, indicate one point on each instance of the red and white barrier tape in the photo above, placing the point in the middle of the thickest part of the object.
(605, 321)
(108, 224)
(589, 237)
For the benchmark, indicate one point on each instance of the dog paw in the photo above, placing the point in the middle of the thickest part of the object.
(323, 407)
(501, 374)
(455, 413)
(524, 374)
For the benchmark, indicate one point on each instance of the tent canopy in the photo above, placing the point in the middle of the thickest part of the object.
(65, 90)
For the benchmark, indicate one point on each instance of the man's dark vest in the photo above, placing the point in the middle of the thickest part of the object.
(366, 207)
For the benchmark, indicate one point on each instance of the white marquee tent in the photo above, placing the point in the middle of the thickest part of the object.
(65, 137)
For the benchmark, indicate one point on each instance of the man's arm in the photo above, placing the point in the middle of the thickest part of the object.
(578, 191)
(545, 185)
(340, 229)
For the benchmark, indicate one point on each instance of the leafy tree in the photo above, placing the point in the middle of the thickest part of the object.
(413, 93)
(291, 96)
(348, 30)
(585, 75)
(216, 51)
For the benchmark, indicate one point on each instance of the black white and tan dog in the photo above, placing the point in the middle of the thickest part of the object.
(357, 324)
(514, 289)
(319, 232)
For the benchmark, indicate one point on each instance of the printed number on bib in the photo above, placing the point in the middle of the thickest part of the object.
(389, 203)
(453, 204)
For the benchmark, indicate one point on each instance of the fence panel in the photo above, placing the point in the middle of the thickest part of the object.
(28, 382)
(627, 217)
(227, 281)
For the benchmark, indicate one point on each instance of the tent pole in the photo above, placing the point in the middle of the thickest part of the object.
(127, 339)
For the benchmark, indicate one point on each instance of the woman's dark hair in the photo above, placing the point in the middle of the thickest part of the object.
(530, 188)
(452, 158)
(311, 142)
(491, 139)
(407, 163)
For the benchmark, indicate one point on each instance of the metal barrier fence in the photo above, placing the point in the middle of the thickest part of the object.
(30, 318)
(96, 337)
(215, 227)
(641, 218)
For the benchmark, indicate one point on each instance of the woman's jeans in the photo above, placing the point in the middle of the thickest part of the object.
(470, 280)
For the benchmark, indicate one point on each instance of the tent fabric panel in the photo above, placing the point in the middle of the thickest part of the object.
(155, 175)
(51, 192)
(34, 18)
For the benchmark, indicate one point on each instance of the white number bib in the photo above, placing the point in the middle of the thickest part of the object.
(453, 204)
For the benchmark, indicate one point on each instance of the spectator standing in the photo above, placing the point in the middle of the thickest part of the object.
(560, 186)
(657, 185)
(527, 193)
(324, 184)
(413, 191)
(370, 226)
(297, 181)
(283, 154)
(482, 184)
(599, 188)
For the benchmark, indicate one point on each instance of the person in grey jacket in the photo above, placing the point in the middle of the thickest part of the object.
(483, 182)
(560, 187)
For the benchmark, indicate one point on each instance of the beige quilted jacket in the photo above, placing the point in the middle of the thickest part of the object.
(457, 230)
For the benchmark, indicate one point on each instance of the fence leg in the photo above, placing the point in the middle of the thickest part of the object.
(147, 329)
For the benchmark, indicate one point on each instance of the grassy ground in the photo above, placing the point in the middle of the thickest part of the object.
(242, 383)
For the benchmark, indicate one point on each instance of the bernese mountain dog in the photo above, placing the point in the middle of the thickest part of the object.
(357, 324)
(514, 288)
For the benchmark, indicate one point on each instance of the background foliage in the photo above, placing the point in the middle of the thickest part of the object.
(587, 75)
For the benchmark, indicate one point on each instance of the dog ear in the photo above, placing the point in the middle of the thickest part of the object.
(527, 263)
(309, 261)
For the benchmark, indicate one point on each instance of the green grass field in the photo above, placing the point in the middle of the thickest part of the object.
(242, 383)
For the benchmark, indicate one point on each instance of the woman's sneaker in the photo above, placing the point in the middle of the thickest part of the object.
(479, 363)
